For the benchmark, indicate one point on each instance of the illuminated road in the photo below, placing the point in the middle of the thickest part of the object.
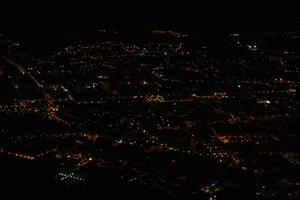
(23, 71)
(50, 102)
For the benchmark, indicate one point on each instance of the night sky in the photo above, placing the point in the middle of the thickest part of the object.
(49, 15)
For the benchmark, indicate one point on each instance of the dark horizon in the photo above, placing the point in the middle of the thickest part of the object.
(46, 16)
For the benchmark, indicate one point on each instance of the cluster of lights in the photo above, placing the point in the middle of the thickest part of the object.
(71, 176)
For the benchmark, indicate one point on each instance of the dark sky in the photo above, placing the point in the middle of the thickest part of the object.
(129, 14)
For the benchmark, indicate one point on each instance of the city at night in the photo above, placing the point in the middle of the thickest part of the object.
(149, 101)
